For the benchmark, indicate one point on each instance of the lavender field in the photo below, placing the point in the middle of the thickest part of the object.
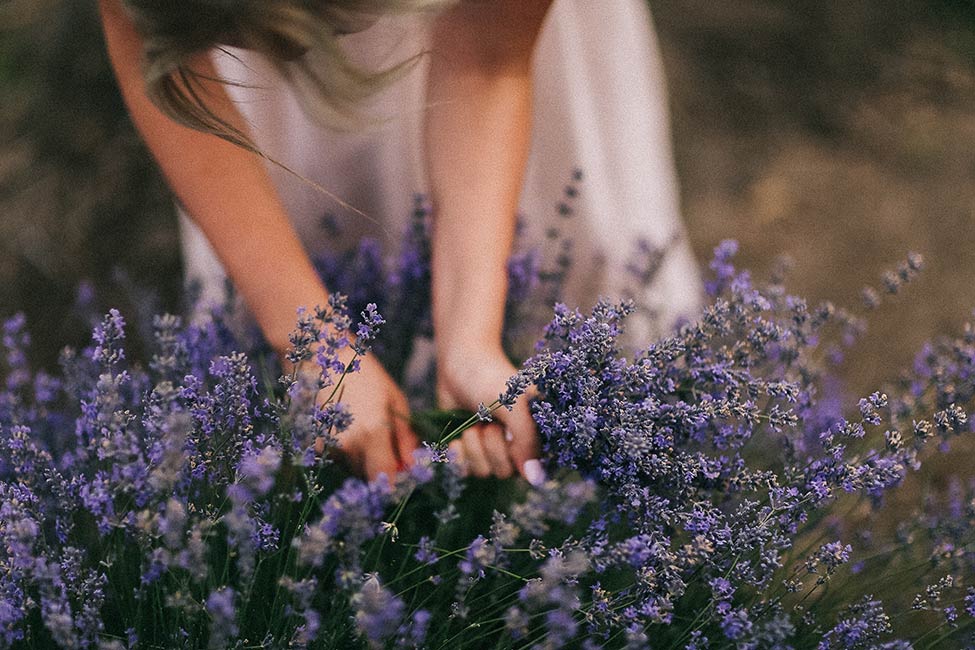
(792, 470)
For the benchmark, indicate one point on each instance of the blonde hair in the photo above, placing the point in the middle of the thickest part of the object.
(333, 86)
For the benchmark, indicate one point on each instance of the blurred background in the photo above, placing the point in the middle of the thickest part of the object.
(839, 134)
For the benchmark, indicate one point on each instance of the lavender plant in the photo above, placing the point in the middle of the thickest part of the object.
(706, 492)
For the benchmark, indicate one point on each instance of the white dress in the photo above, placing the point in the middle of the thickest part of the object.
(600, 106)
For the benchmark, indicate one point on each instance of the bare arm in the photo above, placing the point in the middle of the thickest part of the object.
(225, 188)
(477, 138)
(230, 196)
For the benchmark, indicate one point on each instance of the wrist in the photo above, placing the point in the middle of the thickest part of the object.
(460, 356)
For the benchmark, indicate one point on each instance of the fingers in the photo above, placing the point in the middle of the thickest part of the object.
(473, 452)
(491, 449)
(502, 447)
(496, 450)
(483, 451)
(380, 439)
(522, 435)
(382, 445)
(390, 450)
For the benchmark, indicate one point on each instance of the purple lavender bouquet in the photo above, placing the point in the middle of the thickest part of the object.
(706, 492)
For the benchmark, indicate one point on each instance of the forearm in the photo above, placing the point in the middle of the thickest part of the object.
(477, 132)
(226, 190)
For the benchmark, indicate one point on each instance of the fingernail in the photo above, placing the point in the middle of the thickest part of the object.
(533, 472)
(508, 436)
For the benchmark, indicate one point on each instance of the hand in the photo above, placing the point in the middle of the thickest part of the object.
(379, 440)
(478, 375)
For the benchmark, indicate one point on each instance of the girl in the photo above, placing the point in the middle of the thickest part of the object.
(475, 134)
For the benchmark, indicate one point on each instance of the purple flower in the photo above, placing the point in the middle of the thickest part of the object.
(424, 551)
(378, 612)
(970, 602)
(721, 588)
(97, 496)
(869, 408)
(258, 469)
(109, 336)
(825, 560)
(368, 328)
(350, 517)
(220, 605)
(734, 623)
(477, 558)
(864, 625)
(722, 267)
(413, 635)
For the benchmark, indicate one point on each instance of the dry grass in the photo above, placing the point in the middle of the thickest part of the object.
(840, 136)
